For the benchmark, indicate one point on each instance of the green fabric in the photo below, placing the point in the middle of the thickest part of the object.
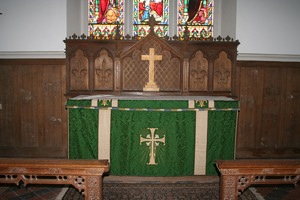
(220, 138)
(78, 103)
(166, 104)
(129, 157)
(83, 129)
(226, 104)
(175, 158)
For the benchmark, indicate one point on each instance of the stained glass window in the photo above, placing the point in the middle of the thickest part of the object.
(143, 9)
(197, 16)
(104, 15)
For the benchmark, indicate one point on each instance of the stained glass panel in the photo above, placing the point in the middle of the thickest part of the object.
(104, 15)
(197, 16)
(143, 9)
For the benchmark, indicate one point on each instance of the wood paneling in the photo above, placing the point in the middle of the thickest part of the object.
(269, 125)
(33, 120)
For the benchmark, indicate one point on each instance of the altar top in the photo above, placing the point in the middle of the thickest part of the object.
(144, 97)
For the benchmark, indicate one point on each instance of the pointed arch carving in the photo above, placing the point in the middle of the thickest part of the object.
(198, 72)
(79, 70)
(222, 73)
(103, 71)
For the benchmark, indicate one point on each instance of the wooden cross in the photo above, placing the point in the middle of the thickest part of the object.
(152, 141)
(151, 85)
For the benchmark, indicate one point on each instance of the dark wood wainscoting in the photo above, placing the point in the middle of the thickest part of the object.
(33, 118)
(269, 119)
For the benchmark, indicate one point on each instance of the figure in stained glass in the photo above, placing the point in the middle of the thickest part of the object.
(104, 15)
(156, 9)
(197, 15)
(143, 10)
(107, 11)
(197, 11)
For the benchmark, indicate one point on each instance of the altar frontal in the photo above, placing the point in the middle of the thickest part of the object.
(153, 136)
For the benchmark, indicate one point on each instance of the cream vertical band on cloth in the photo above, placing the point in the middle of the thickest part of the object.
(104, 134)
(211, 104)
(104, 122)
(200, 140)
(94, 102)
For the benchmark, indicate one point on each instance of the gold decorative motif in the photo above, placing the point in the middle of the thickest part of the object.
(152, 141)
(201, 102)
(151, 85)
(105, 102)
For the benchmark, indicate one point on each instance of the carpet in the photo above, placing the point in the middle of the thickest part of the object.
(152, 188)
(153, 191)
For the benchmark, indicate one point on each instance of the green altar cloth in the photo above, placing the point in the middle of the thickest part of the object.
(153, 136)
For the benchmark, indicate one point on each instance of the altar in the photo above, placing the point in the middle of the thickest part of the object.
(152, 106)
(153, 135)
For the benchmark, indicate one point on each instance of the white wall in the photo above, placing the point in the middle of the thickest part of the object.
(268, 27)
(32, 26)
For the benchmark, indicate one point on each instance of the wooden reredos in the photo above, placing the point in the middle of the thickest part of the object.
(189, 66)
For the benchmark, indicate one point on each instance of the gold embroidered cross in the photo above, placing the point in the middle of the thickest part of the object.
(151, 85)
(152, 139)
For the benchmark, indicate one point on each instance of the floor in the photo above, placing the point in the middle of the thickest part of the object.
(52, 192)
(21, 192)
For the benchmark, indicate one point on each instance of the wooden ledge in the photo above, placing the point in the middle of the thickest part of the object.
(238, 175)
(85, 175)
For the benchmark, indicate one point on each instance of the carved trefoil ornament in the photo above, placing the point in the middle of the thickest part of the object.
(103, 71)
(198, 72)
(222, 73)
(79, 71)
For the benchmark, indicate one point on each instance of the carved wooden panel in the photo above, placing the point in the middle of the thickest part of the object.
(135, 72)
(168, 73)
(187, 67)
(103, 71)
(222, 73)
(198, 73)
(79, 70)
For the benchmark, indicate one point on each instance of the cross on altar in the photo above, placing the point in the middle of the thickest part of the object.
(151, 85)
(152, 141)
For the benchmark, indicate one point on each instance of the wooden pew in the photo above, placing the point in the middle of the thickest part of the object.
(84, 175)
(238, 175)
